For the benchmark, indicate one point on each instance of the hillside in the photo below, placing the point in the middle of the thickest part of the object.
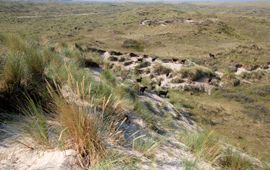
(134, 86)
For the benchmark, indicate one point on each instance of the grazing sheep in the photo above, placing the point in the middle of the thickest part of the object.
(142, 90)
(175, 59)
(140, 59)
(166, 60)
(145, 56)
(163, 93)
(99, 51)
(112, 58)
(78, 47)
(122, 59)
(154, 59)
(115, 53)
(139, 80)
(133, 55)
(128, 63)
(238, 65)
(183, 61)
(90, 63)
(212, 56)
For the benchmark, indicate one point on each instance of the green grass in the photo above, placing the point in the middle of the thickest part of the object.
(145, 145)
(232, 160)
(115, 160)
(205, 145)
(133, 44)
(189, 165)
(36, 123)
(196, 72)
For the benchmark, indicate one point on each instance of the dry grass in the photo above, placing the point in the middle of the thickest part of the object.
(82, 133)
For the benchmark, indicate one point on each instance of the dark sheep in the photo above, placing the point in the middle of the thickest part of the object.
(154, 59)
(142, 90)
(112, 58)
(210, 80)
(133, 55)
(78, 47)
(166, 60)
(52, 49)
(91, 63)
(99, 51)
(122, 59)
(175, 59)
(238, 65)
(140, 59)
(145, 56)
(255, 67)
(212, 55)
(183, 61)
(159, 82)
(266, 67)
(128, 63)
(139, 80)
(127, 119)
(163, 93)
(115, 53)
(139, 71)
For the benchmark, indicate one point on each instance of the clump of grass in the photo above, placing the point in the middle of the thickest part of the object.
(167, 121)
(196, 72)
(144, 111)
(234, 161)
(133, 44)
(13, 72)
(145, 145)
(23, 71)
(254, 75)
(36, 124)
(108, 77)
(230, 79)
(160, 69)
(81, 130)
(189, 165)
(116, 160)
(204, 145)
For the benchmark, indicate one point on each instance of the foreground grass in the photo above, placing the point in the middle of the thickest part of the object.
(85, 111)
(207, 146)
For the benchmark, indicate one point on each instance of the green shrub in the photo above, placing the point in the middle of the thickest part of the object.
(108, 77)
(36, 124)
(234, 161)
(133, 44)
(254, 75)
(196, 72)
(203, 144)
(145, 145)
(160, 69)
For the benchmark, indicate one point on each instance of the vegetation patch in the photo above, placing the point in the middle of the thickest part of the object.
(195, 73)
(133, 44)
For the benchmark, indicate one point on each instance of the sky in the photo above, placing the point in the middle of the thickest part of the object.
(170, 0)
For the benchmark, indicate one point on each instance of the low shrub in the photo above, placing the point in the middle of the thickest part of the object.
(133, 44)
(204, 145)
(36, 124)
(160, 69)
(232, 160)
(195, 73)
